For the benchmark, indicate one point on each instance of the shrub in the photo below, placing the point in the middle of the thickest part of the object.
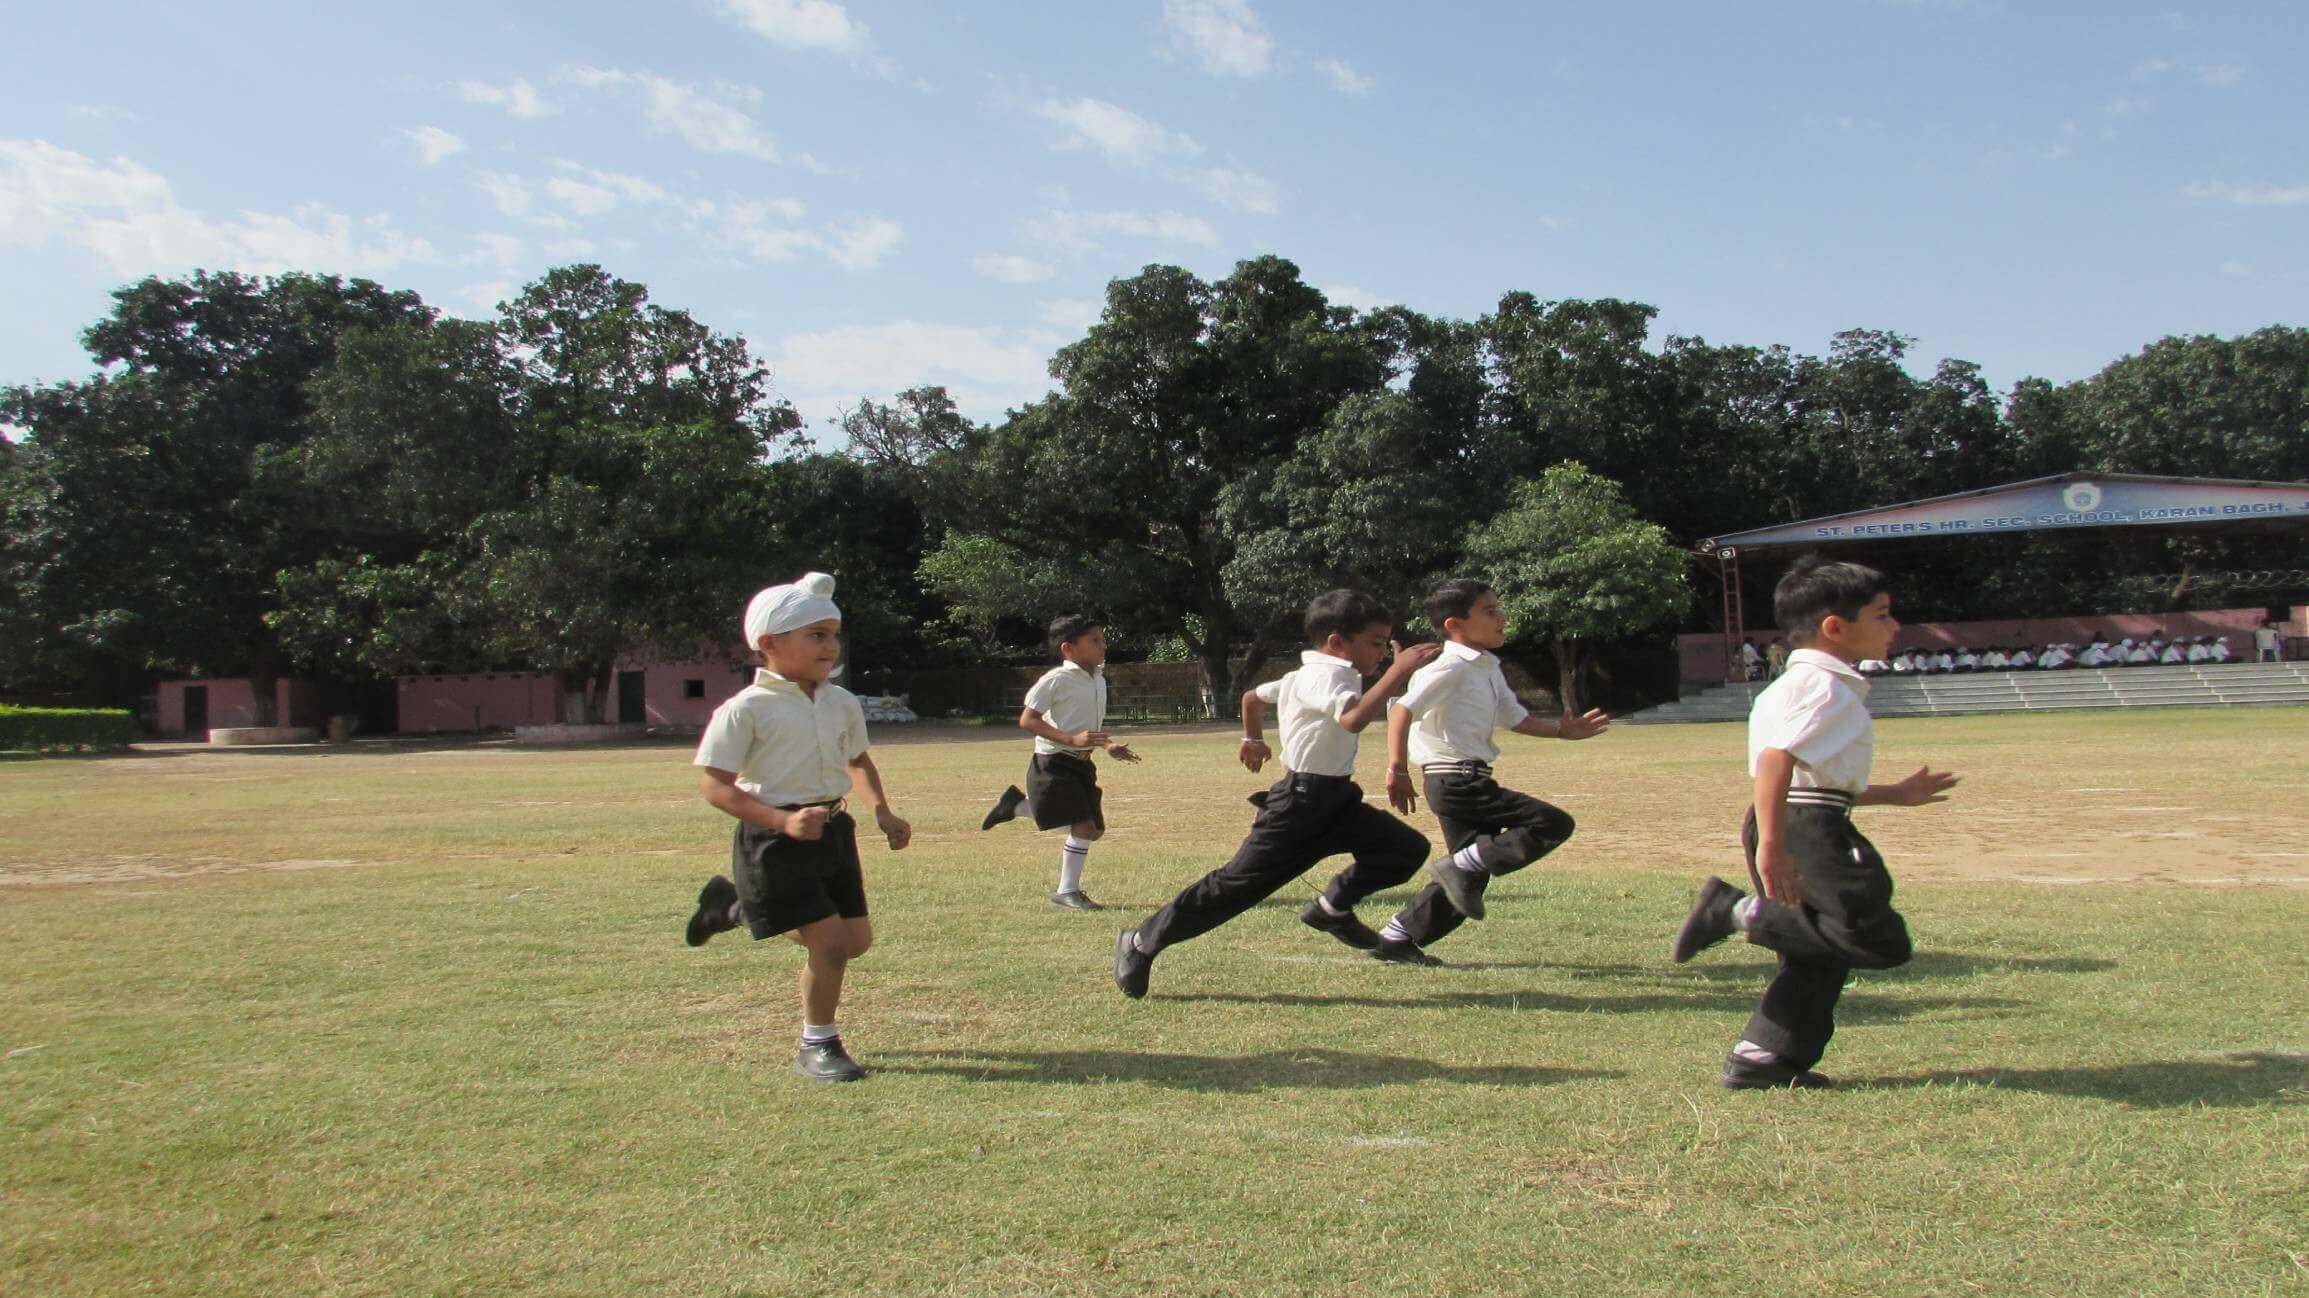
(64, 729)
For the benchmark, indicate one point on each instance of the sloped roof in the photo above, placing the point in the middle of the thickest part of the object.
(2061, 502)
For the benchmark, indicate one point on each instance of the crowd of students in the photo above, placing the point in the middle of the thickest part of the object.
(2154, 650)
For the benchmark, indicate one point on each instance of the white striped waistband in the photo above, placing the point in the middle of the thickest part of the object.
(1836, 798)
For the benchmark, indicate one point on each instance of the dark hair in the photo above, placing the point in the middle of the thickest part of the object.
(1454, 598)
(1067, 628)
(1342, 613)
(1816, 586)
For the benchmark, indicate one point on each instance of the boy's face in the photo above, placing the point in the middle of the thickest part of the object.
(1365, 649)
(1087, 650)
(1866, 636)
(1484, 627)
(805, 655)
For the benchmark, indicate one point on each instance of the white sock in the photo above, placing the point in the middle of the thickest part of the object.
(1328, 908)
(816, 1033)
(1744, 912)
(1752, 1053)
(1468, 859)
(1394, 931)
(1072, 856)
(737, 912)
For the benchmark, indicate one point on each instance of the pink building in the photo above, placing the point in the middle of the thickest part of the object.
(642, 689)
(193, 708)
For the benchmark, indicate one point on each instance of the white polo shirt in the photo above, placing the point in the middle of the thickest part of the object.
(786, 746)
(1071, 699)
(1456, 702)
(1308, 705)
(1818, 712)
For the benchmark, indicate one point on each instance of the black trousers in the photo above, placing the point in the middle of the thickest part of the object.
(1510, 831)
(1846, 922)
(1302, 819)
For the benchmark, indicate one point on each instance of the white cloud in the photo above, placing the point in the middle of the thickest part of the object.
(101, 113)
(1242, 191)
(2220, 191)
(1343, 77)
(128, 217)
(433, 143)
(484, 297)
(983, 368)
(508, 194)
(1349, 295)
(1074, 315)
(1224, 35)
(505, 251)
(1080, 232)
(2127, 107)
(2212, 74)
(579, 197)
(518, 97)
(712, 118)
(863, 242)
(1122, 135)
(634, 189)
(1010, 269)
(2236, 269)
(800, 24)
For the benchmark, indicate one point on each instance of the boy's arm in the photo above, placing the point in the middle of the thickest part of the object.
(1592, 722)
(1253, 751)
(1774, 768)
(865, 773)
(1922, 785)
(1034, 723)
(1391, 683)
(720, 788)
(1400, 793)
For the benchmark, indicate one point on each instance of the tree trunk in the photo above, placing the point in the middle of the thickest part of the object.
(585, 694)
(264, 694)
(1567, 675)
(1262, 648)
(1218, 684)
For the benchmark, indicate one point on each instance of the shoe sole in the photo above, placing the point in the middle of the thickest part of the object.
(1085, 904)
(1689, 941)
(828, 1078)
(1002, 814)
(1463, 898)
(701, 923)
(1363, 941)
(1422, 961)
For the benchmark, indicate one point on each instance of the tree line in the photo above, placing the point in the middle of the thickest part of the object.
(309, 474)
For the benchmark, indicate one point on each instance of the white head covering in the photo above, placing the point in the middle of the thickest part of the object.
(798, 603)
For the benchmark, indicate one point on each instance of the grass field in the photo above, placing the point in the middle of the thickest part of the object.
(419, 1021)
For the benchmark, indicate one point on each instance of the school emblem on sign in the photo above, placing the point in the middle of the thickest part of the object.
(2081, 497)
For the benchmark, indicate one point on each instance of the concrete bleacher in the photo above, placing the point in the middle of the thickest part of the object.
(2200, 685)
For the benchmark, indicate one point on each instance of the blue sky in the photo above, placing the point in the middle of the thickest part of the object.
(879, 193)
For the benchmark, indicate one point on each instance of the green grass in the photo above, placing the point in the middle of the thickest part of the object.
(458, 1048)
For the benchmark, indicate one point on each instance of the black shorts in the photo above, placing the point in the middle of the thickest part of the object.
(784, 883)
(1063, 790)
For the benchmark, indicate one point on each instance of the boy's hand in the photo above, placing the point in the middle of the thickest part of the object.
(1254, 753)
(1400, 794)
(1778, 871)
(1089, 739)
(808, 824)
(1122, 753)
(1585, 726)
(1922, 785)
(893, 828)
(1409, 660)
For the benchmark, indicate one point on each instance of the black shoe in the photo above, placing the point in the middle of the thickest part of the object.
(1005, 807)
(826, 1061)
(1075, 900)
(1463, 887)
(713, 912)
(1710, 922)
(1743, 1075)
(1346, 928)
(1131, 965)
(1394, 952)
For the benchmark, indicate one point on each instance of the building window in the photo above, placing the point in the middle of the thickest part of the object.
(693, 689)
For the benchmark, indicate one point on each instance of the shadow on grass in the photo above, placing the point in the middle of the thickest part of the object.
(1853, 1009)
(1272, 1070)
(1927, 964)
(2244, 1080)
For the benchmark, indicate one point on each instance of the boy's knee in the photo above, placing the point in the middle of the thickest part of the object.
(860, 944)
(1088, 832)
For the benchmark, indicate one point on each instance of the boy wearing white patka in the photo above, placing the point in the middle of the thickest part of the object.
(1826, 899)
(1066, 714)
(1444, 724)
(781, 757)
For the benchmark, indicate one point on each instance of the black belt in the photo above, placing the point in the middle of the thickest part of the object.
(1467, 767)
(1304, 780)
(1834, 799)
(836, 804)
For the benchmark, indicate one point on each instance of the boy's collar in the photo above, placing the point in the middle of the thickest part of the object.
(1066, 664)
(766, 679)
(1823, 659)
(1317, 658)
(1460, 649)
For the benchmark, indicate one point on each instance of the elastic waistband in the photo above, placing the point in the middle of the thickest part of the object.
(1833, 799)
(1468, 767)
(1304, 780)
(836, 804)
